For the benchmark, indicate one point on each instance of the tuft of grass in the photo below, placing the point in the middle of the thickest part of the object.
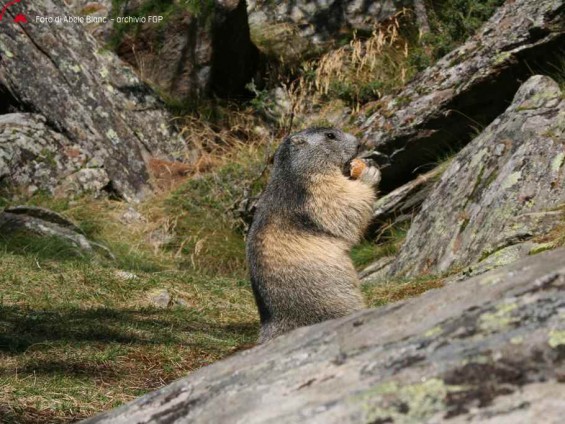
(396, 290)
(386, 243)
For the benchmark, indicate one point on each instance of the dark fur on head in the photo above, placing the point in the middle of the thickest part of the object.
(315, 150)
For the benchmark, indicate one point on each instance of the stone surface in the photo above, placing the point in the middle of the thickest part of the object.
(36, 222)
(194, 54)
(489, 349)
(506, 187)
(90, 102)
(320, 21)
(377, 271)
(34, 157)
(468, 88)
(160, 298)
(402, 203)
(96, 9)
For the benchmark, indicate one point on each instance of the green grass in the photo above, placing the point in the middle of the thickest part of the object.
(386, 243)
(77, 338)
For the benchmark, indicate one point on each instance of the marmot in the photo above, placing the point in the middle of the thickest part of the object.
(310, 215)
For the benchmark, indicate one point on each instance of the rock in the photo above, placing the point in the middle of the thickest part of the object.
(196, 53)
(302, 25)
(403, 203)
(33, 222)
(34, 157)
(489, 349)
(504, 188)
(101, 30)
(125, 275)
(377, 270)
(132, 216)
(160, 298)
(469, 87)
(84, 100)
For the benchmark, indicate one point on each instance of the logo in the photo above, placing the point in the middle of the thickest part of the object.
(20, 18)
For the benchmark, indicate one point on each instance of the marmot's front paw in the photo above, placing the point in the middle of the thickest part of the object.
(370, 175)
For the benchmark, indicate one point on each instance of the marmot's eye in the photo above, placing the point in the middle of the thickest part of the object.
(330, 135)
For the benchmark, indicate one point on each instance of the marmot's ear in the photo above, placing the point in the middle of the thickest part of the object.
(297, 140)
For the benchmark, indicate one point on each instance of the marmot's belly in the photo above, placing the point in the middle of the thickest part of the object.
(308, 278)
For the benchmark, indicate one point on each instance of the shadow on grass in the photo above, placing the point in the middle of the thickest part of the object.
(24, 328)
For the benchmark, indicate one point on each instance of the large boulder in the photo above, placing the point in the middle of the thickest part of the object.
(486, 350)
(92, 105)
(503, 189)
(444, 105)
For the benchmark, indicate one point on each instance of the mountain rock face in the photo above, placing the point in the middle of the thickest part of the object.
(292, 30)
(442, 107)
(486, 350)
(506, 188)
(321, 20)
(199, 48)
(84, 120)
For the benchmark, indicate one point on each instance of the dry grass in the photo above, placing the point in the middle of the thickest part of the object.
(394, 290)
(361, 71)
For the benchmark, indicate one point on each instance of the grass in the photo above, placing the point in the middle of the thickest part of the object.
(386, 243)
(395, 290)
(78, 337)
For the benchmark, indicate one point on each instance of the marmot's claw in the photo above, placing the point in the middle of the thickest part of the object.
(371, 175)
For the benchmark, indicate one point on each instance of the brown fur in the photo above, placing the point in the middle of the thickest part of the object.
(302, 273)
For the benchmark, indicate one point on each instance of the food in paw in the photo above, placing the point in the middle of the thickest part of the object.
(357, 167)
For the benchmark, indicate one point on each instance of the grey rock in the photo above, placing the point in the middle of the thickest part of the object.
(160, 298)
(132, 216)
(125, 275)
(404, 202)
(469, 87)
(377, 271)
(91, 103)
(34, 157)
(504, 188)
(95, 9)
(36, 222)
(489, 349)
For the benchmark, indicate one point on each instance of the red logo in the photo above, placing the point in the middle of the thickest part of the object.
(20, 17)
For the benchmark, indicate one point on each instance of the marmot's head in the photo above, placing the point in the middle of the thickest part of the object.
(316, 150)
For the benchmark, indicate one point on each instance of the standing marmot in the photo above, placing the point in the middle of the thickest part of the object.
(307, 220)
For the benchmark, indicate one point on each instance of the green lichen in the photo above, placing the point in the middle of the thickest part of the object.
(104, 72)
(496, 321)
(511, 180)
(541, 247)
(413, 403)
(517, 340)
(557, 162)
(501, 58)
(556, 338)
(5, 51)
(433, 332)
(111, 134)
